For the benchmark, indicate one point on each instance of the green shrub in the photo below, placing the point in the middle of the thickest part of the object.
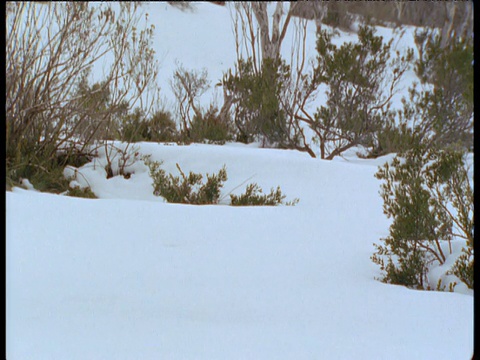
(428, 194)
(73, 158)
(361, 78)
(440, 117)
(442, 111)
(393, 138)
(186, 189)
(46, 174)
(463, 267)
(254, 196)
(161, 127)
(210, 127)
(81, 193)
(132, 126)
(191, 190)
(256, 94)
(44, 178)
(49, 101)
(453, 187)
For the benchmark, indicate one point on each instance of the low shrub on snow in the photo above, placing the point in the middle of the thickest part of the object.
(186, 189)
(254, 196)
(429, 196)
(192, 190)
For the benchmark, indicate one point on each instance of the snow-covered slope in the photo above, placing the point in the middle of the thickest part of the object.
(124, 278)
(203, 38)
(127, 276)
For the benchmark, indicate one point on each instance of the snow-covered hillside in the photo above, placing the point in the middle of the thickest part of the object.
(128, 276)
(208, 42)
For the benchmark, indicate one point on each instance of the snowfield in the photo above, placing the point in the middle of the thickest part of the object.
(129, 276)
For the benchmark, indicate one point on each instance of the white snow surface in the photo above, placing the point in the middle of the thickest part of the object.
(206, 31)
(128, 276)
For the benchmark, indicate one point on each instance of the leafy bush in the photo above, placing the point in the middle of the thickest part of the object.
(136, 127)
(47, 175)
(48, 99)
(210, 127)
(71, 174)
(361, 79)
(254, 196)
(428, 194)
(256, 96)
(81, 192)
(393, 138)
(198, 125)
(45, 179)
(191, 190)
(161, 127)
(453, 187)
(442, 112)
(132, 126)
(186, 189)
(463, 267)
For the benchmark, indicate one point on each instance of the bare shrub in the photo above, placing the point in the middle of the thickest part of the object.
(187, 87)
(51, 50)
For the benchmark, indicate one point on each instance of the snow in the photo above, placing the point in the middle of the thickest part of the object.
(128, 276)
